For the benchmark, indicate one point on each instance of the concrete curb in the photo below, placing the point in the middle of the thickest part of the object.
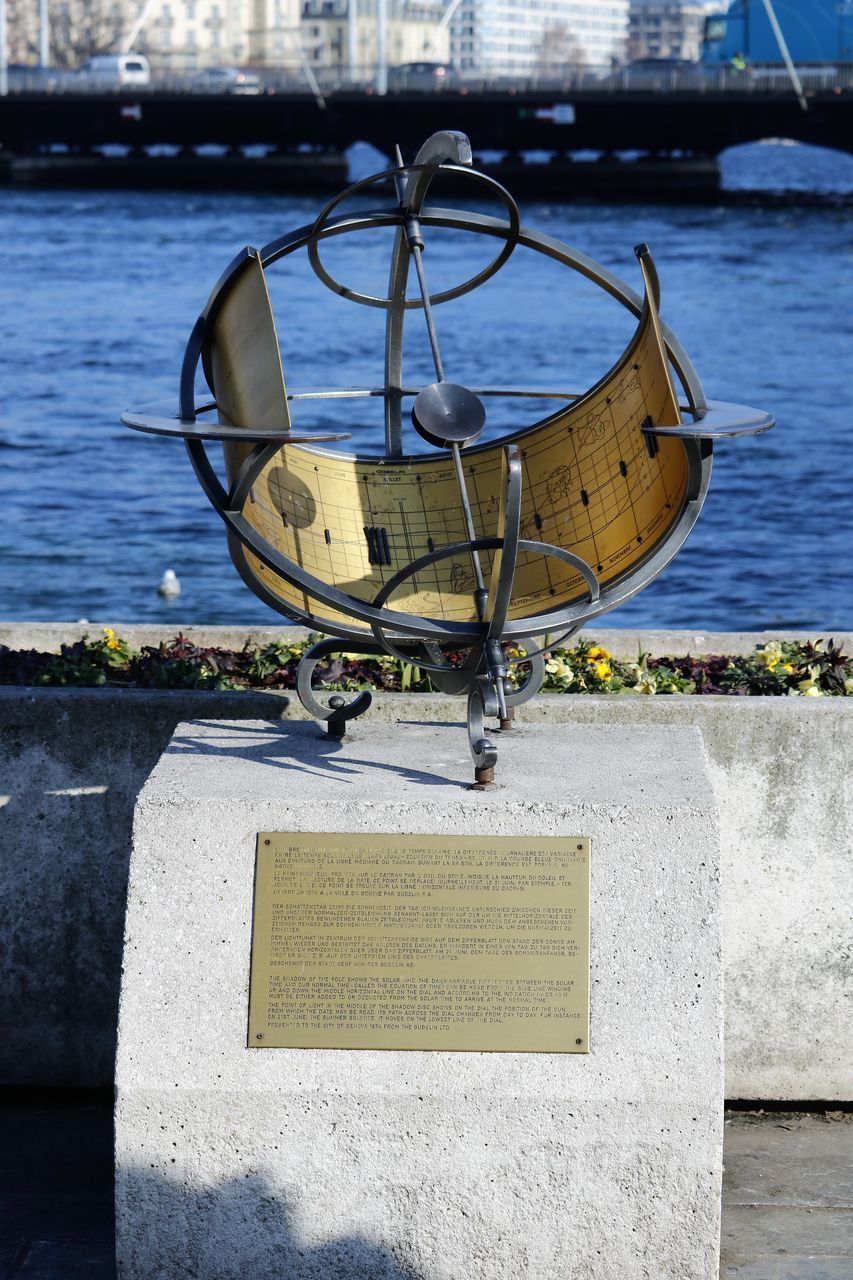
(622, 643)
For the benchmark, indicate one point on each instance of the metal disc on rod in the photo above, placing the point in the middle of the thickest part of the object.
(446, 413)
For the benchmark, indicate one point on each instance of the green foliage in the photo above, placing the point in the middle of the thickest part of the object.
(812, 670)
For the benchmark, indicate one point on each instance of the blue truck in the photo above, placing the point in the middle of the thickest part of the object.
(816, 32)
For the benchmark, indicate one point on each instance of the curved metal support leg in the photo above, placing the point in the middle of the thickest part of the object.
(338, 711)
(482, 702)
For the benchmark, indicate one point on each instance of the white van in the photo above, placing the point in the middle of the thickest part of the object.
(110, 70)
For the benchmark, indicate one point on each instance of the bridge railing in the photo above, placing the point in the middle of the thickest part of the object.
(684, 78)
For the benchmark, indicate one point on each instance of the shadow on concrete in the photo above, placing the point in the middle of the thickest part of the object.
(237, 1229)
(300, 747)
(787, 1200)
(56, 1181)
(57, 1219)
(74, 761)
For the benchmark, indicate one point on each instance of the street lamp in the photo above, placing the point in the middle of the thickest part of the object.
(44, 35)
(381, 52)
(4, 66)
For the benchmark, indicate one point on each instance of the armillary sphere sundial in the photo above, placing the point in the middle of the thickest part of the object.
(452, 556)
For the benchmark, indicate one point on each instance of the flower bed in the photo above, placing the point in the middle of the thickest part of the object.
(809, 669)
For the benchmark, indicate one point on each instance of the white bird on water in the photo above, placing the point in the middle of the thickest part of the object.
(169, 584)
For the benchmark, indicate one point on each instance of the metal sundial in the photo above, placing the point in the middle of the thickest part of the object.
(448, 557)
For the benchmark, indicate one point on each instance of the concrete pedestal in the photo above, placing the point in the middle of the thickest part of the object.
(367, 1165)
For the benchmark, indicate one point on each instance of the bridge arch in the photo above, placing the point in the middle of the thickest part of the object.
(787, 164)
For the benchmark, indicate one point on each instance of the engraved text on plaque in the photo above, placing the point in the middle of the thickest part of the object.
(420, 942)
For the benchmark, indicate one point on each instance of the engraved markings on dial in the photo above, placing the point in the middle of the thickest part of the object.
(378, 548)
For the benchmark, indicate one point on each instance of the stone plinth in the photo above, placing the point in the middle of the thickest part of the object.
(412, 1165)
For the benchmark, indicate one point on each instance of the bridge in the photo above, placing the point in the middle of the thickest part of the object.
(680, 122)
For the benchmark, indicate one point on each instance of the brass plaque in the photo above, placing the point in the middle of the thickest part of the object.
(420, 942)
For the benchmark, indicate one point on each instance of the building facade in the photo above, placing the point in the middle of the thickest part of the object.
(185, 35)
(411, 33)
(669, 28)
(521, 37)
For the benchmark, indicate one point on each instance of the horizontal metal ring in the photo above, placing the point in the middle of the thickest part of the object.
(446, 295)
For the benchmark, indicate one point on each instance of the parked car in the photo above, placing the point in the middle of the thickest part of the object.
(113, 70)
(226, 80)
(655, 73)
(420, 76)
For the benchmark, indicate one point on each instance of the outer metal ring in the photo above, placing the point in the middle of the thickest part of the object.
(447, 295)
(408, 571)
(244, 540)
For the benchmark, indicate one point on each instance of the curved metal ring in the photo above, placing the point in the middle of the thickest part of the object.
(540, 653)
(531, 685)
(559, 553)
(482, 702)
(191, 429)
(408, 571)
(446, 295)
(480, 544)
(506, 558)
(243, 537)
(457, 680)
(304, 673)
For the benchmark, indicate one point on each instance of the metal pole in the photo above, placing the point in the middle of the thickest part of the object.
(305, 67)
(381, 54)
(352, 37)
(128, 42)
(786, 56)
(4, 56)
(446, 19)
(44, 35)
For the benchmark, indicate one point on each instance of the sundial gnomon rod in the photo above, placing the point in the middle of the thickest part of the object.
(445, 410)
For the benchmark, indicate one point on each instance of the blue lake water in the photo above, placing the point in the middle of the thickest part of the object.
(99, 291)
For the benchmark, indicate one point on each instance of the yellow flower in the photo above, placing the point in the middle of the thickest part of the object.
(787, 668)
(848, 685)
(770, 656)
(812, 692)
(560, 668)
(810, 685)
(596, 652)
(602, 671)
(110, 637)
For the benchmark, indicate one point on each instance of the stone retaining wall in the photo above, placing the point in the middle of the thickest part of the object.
(73, 762)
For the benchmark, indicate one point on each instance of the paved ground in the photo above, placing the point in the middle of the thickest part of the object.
(788, 1197)
(787, 1206)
